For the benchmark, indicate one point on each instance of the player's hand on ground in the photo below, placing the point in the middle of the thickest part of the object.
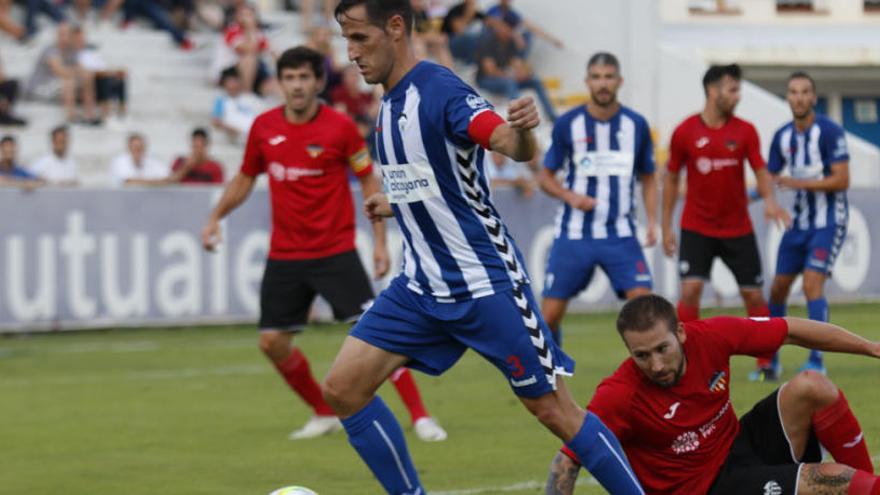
(580, 201)
(381, 261)
(669, 243)
(651, 235)
(522, 114)
(377, 207)
(211, 235)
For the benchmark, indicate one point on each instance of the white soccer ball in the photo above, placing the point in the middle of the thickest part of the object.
(293, 490)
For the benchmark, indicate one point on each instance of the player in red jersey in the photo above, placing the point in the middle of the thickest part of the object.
(669, 404)
(306, 148)
(712, 146)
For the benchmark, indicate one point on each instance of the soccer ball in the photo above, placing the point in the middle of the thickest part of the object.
(293, 490)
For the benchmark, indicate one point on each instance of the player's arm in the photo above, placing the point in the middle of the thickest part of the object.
(370, 187)
(235, 193)
(837, 181)
(563, 475)
(515, 138)
(823, 336)
(548, 183)
(649, 198)
(772, 210)
(671, 182)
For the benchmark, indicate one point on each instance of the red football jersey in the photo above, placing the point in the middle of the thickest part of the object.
(716, 204)
(312, 208)
(678, 438)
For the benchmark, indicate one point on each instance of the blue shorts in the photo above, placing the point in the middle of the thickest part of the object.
(813, 249)
(572, 263)
(506, 328)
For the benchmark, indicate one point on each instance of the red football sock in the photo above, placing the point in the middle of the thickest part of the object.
(864, 484)
(687, 313)
(760, 311)
(406, 386)
(839, 432)
(296, 372)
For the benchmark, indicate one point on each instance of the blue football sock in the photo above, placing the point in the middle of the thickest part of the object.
(601, 454)
(776, 311)
(376, 435)
(817, 309)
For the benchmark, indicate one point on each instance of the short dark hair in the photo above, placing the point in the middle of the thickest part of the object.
(200, 132)
(799, 74)
(136, 136)
(717, 73)
(640, 314)
(294, 58)
(379, 11)
(9, 138)
(228, 73)
(58, 130)
(603, 58)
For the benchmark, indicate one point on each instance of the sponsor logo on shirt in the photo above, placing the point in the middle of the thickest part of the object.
(718, 382)
(276, 140)
(409, 183)
(281, 173)
(672, 410)
(690, 441)
(706, 165)
(772, 488)
(702, 142)
(840, 148)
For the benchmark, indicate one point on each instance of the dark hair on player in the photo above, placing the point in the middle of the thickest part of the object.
(642, 313)
(379, 11)
(717, 73)
(228, 73)
(9, 138)
(603, 58)
(58, 130)
(200, 132)
(294, 58)
(799, 74)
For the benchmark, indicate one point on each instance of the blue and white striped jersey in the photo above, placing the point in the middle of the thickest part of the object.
(455, 246)
(601, 159)
(809, 155)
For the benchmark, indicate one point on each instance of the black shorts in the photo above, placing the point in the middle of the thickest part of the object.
(740, 254)
(290, 286)
(761, 460)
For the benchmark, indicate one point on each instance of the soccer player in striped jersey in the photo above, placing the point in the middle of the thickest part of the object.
(463, 283)
(813, 149)
(603, 148)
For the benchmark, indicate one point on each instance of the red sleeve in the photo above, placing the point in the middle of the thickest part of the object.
(677, 150)
(216, 173)
(758, 337)
(177, 164)
(611, 403)
(253, 163)
(356, 151)
(753, 149)
(231, 36)
(482, 126)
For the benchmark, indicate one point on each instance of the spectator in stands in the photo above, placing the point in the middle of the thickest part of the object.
(135, 167)
(156, 13)
(7, 24)
(504, 172)
(523, 29)
(110, 83)
(428, 40)
(308, 13)
(58, 73)
(81, 11)
(321, 40)
(57, 167)
(198, 167)
(8, 95)
(502, 71)
(463, 25)
(245, 48)
(11, 173)
(35, 7)
(348, 97)
(235, 109)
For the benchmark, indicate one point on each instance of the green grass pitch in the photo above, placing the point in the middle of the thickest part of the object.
(198, 411)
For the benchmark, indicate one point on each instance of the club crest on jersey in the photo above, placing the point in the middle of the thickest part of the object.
(718, 382)
(314, 150)
(476, 102)
(730, 144)
(401, 122)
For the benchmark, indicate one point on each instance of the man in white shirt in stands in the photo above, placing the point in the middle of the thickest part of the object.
(58, 167)
(135, 167)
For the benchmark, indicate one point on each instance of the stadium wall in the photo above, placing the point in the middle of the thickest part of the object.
(73, 259)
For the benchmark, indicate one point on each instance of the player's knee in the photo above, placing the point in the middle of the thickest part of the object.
(778, 291)
(274, 345)
(813, 284)
(814, 388)
(335, 392)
